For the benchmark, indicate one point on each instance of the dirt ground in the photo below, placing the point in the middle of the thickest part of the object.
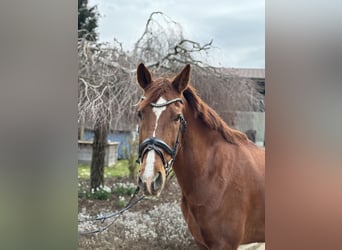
(153, 224)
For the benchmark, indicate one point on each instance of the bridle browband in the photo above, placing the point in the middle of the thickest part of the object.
(166, 103)
(156, 144)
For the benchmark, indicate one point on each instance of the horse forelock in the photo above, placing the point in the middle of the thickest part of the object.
(159, 87)
(211, 119)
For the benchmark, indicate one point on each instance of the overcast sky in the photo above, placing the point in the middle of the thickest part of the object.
(237, 27)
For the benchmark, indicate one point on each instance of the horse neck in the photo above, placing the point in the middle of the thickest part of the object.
(193, 151)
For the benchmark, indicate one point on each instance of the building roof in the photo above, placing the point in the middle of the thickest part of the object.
(245, 72)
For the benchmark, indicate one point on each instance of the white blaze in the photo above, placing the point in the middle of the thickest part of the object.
(150, 159)
(149, 167)
(158, 111)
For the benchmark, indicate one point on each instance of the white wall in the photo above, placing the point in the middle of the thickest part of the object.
(251, 120)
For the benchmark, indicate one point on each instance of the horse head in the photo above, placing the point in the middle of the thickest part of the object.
(161, 122)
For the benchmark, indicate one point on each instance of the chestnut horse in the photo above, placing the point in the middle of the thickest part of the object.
(221, 173)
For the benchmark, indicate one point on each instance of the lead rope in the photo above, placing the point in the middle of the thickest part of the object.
(102, 218)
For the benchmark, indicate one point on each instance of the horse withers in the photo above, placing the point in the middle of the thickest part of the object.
(221, 173)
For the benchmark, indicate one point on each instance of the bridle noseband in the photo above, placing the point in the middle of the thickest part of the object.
(156, 144)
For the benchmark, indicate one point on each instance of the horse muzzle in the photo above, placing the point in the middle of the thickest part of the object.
(151, 185)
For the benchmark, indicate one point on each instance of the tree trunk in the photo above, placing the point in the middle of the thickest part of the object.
(132, 156)
(98, 157)
(132, 165)
(81, 129)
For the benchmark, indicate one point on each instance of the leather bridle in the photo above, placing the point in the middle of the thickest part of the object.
(158, 145)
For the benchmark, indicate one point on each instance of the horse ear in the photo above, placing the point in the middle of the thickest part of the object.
(143, 76)
(181, 81)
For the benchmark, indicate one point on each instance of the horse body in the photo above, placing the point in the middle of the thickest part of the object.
(224, 192)
(221, 173)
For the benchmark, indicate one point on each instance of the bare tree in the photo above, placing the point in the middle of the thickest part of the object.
(106, 94)
(164, 48)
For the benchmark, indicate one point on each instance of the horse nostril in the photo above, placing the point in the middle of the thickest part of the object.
(158, 181)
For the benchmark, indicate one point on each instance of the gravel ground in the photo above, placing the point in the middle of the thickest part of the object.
(152, 224)
(159, 228)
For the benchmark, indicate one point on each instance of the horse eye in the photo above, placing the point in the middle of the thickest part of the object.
(139, 114)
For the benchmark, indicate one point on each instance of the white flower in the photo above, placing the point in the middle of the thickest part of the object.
(106, 188)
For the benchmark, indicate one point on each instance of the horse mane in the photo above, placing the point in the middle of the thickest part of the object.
(211, 119)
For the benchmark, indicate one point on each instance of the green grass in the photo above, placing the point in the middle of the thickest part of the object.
(120, 169)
